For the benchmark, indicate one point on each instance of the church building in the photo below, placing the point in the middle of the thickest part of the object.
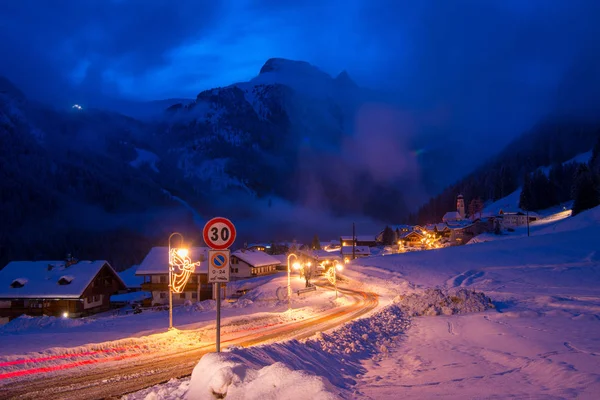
(459, 214)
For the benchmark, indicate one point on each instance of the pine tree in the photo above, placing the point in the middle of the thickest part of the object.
(541, 191)
(475, 207)
(315, 244)
(526, 196)
(585, 194)
(389, 237)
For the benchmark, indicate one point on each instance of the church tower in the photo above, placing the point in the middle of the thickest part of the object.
(460, 206)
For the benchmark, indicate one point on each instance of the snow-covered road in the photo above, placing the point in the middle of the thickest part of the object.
(122, 369)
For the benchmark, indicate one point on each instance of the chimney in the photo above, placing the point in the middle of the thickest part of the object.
(70, 260)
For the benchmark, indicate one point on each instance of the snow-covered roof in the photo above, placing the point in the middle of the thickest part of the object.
(130, 278)
(267, 245)
(347, 250)
(157, 261)
(439, 227)
(281, 257)
(322, 254)
(256, 258)
(40, 279)
(404, 235)
(460, 224)
(451, 216)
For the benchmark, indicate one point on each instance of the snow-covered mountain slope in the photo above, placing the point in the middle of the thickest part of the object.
(74, 181)
(511, 202)
(298, 133)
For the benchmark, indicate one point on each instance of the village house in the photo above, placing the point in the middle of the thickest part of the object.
(363, 240)
(347, 241)
(461, 233)
(259, 246)
(513, 219)
(412, 239)
(248, 264)
(155, 270)
(68, 288)
(359, 252)
(399, 231)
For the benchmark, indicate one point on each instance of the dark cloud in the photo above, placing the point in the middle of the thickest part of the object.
(53, 46)
(495, 66)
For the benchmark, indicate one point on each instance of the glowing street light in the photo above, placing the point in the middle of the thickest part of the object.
(181, 269)
(296, 266)
(332, 276)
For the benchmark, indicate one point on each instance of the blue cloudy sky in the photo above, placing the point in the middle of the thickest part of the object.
(519, 58)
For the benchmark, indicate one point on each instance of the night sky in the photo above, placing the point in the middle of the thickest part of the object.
(498, 66)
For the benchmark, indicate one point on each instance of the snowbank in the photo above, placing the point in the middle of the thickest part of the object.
(437, 302)
(324, 367)
(26, 322)
(220, 375)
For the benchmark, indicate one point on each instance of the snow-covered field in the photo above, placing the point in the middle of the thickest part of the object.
(541, 340)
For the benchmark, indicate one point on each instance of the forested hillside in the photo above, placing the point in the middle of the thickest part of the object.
(548, 144)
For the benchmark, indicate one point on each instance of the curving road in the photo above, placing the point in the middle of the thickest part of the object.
(126, 371)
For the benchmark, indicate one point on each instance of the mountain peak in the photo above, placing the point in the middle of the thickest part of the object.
(344, 79)
(292, 67)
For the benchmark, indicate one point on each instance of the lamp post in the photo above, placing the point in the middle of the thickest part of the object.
(332, 276)
(289, 270)
(171, 266)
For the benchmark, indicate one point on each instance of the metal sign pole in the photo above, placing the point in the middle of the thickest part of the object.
(218, 290)
(218, 234)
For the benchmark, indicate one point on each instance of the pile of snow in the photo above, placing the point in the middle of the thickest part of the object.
(324, 367)
(26, 322)
(438, 302)
(220, 375)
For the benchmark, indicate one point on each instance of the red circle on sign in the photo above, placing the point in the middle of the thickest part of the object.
(212, 261)
(219, 233)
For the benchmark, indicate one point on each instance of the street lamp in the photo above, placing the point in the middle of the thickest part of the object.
(332, 276)
(290, 279)
(180, 269)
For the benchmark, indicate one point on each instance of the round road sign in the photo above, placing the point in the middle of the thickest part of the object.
(219, 260)
(219, 233)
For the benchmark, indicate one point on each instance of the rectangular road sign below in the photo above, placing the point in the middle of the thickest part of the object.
(218, 266)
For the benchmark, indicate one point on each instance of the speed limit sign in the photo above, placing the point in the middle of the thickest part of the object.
(219, 233)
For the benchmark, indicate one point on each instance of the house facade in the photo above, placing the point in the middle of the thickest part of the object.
(412, 239)
(359, 252)
(248, 264)
(155, 272)
(69, 288)
(518, 218)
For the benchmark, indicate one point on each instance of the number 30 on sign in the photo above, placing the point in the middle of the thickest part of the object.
(219, 233)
